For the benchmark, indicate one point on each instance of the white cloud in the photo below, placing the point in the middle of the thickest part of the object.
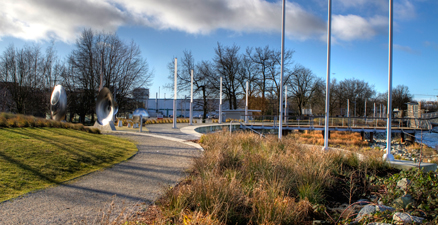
(203, 17)
(43, 19)
(406, 49)
(62, 19)
(404, 10)
(352, 27)
(431, 44)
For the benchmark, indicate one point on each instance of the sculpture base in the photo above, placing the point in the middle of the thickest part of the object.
(388, 157)
(109, 127)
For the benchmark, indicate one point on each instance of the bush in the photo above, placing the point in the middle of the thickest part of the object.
(17, 120)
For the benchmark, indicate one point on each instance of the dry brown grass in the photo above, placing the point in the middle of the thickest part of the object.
(243, 179)
(348, 140)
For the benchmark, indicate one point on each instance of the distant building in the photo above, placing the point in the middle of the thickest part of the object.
(141, 95)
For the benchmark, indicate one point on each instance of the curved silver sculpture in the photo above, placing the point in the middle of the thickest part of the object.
(105, 106)
(58, 103)
(136, 115)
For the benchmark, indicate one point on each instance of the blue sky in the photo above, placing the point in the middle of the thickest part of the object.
(164, 28)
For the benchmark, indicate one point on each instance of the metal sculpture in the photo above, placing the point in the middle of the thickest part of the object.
(58, 103)
(105, 106)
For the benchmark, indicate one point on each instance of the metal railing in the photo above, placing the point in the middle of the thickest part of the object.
(315, 121)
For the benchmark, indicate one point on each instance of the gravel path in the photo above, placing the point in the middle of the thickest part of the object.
(130, 185)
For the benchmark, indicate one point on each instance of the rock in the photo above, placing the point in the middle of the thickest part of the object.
(403, 183)
(406, 218)
(375, 223)
(368, 210)
(403, 201)
(383, 208)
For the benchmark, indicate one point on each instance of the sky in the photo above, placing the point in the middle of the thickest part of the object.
(163, 29)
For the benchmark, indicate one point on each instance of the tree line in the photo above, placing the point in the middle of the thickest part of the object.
(260, 67)
(28, 75)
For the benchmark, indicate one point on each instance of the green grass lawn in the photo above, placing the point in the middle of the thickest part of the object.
(35, 158)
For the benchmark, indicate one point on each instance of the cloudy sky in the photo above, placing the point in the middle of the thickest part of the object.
(164, 28)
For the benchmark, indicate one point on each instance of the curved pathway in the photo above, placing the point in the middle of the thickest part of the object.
(129, 186)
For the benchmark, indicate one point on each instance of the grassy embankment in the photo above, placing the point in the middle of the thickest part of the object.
(245, 179)
(36, 157)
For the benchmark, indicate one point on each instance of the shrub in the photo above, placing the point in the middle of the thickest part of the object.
(20, 121)
(11, 122)
(2, 121)
(17, 120)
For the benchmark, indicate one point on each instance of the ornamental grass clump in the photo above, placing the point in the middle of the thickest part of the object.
(242, 178)
(22, 121)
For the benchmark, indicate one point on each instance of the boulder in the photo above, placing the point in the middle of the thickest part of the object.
(406, 218)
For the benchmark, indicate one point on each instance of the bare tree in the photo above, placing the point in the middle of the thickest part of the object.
(227, 64)
(103, 56)
(23, 74)
(204, 82)
(303, 85)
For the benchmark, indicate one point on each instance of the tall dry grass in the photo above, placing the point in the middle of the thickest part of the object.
(243, 179)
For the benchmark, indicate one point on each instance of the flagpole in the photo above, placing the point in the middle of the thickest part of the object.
(280, 118)
(175, 95)
(327, 93)
(388, 156)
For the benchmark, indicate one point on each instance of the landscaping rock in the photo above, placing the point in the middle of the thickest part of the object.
(403, 201)
(406, 218)
(382, 208)
(368, 210)
(403, 183)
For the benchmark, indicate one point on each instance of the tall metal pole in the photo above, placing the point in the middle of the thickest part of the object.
(246, 104)
(388, 156)
(220, 103)
(380, 112)
(365, 111)
(374, 110)
(327, 93)
(280, 126)
(175, 95)
(191, 99)
(348, 108)
(285, 104)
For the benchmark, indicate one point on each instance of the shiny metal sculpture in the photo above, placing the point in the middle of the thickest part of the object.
(58, 103)
(139, 112)
(105, 106)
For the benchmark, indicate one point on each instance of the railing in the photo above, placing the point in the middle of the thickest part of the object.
(433, 115)
(314, 121)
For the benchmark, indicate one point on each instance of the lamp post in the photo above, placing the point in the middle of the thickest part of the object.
(220, 103)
